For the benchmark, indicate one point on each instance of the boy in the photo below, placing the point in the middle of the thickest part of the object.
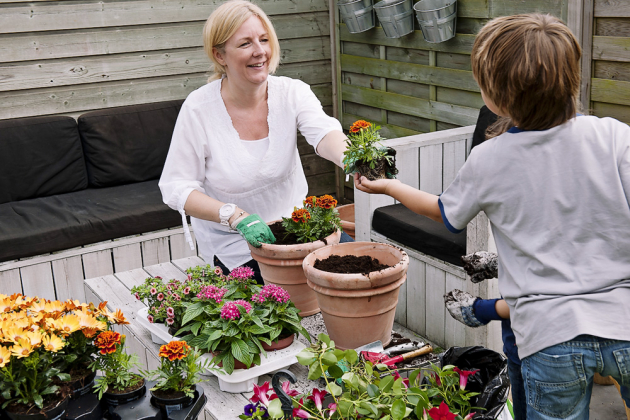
(556, 188)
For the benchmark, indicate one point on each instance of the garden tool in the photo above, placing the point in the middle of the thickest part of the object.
(403, 348)
(375, 357)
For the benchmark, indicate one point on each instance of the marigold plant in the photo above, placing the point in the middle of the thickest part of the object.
(364, 149)
(114, 364)
(316, 220)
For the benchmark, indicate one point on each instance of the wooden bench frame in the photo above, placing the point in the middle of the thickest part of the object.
(60, 275)
(430, 162)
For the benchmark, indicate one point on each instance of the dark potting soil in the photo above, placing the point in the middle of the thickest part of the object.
(379, 171)
(50, 402)
(399, 339)
(415, 362)
(282, 238)
(111, 390)
(347, 264)
(168, 394)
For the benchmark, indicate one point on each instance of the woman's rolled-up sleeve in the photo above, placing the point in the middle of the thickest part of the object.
(312, 121)
(184, 170)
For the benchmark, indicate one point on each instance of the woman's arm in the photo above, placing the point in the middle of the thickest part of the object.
(204, 207)
(332, 146)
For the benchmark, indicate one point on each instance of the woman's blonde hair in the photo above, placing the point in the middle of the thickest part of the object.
(529, 66)
(225, 21)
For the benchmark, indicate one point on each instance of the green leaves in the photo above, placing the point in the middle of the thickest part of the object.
(192, 312)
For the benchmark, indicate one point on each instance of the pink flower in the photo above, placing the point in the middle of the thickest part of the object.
(469, 416)
(230, 309)
(189, 277)
(137, 296)
(317, 397)
(157, 277)
(463, 376)
(260, 394)
(212, 292)
(160, 296)
(286, 387)
(242, 273)
(299, 413)
(186, 290)
(154, 309)
(170, 312)
(272, 292)
(332, 407)
(176, 297)
(153, 290)
(437, 379)
(168, 286)
(150, 318)
(441, 413)
(405, 381)
(218, 271)
(169, 321)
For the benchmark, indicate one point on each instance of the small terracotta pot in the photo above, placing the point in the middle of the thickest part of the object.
(346, 213)
(357, 308)
(280, 344)
(282, 265)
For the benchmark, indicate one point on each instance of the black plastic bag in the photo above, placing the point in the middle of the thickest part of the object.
(492, 381)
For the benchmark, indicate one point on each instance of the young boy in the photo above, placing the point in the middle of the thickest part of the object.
(556, 188)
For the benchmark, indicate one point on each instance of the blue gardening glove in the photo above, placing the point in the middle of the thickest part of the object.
(460, 306)
(255, 231)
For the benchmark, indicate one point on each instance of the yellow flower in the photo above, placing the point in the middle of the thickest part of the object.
(116, 317)
(22, 349)
(69, 324)
(14, 334)
(34, 337)
(52, 343)
(55, 306)
(5, 356)
(39, 306)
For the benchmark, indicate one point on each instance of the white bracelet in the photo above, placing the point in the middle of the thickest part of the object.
(237, 220)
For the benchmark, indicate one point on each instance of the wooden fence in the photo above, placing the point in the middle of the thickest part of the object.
(71, 56)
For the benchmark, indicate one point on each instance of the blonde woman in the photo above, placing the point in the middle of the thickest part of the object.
(233, 162)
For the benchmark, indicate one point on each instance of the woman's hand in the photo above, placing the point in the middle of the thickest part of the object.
(379, 186)
(255, 231)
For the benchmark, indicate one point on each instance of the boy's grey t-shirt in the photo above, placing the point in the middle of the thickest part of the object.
(558, 201)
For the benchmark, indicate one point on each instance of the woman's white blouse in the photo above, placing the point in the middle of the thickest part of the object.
(207, 155)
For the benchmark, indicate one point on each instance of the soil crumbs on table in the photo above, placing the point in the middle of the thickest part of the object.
(347, 264)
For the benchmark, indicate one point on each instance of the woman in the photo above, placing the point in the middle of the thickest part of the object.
(233, 159)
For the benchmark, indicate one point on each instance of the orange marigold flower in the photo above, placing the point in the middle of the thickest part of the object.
(300, 215)
(326, 202)
(107, 340)
(310, 201)
(175, 350)
(359, 125)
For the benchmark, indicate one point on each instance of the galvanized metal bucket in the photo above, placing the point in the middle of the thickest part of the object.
(396, 17)
(358, 15)
(437, 19)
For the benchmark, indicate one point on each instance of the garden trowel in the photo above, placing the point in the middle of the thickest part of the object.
(375, 353)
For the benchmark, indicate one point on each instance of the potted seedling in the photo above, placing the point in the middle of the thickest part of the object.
(313, 226)
(365, 154)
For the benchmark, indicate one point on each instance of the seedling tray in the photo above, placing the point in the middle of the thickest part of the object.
(241, 380)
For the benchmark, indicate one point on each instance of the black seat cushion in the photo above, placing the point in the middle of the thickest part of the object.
(127, 144)
(41, 225)
(400, 224)
(40, 156)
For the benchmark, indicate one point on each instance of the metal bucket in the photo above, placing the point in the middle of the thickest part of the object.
(396, 17)
(429, 10)
(358, 15)
(438, 30)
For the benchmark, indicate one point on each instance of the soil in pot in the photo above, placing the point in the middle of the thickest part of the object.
(115, 397)
(81, 380)
(54, 408)
(380, 170)
(346, 264)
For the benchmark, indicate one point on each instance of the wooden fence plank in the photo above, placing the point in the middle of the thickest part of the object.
(614, 70)
(416, 296)
(10, 282)
(611, 48)
(407, 162)
(454, 155)
(37, 280)
(98, 263)
(610, 91)
(616, 26)
(554, 7)
(79, 14)
(431, 169)
(612, 8)
(620, 112)
(127, 257)
(417, 73)
(461, 44)
(439, 111)
(68, 275)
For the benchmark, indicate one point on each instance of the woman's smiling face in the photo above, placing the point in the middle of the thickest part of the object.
(246, 54)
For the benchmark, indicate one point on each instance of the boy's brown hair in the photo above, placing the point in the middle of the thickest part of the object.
(529, 66)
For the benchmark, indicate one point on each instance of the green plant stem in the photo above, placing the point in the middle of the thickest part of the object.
(321, 366)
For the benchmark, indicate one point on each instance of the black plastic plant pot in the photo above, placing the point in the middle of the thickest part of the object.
(82, 386)
(56, 413)
(167, 405)
(114, 400)
(86, 407)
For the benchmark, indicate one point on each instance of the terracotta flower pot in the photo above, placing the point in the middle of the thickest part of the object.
(346, 213)
(358, 309)
(279, 344)
(282, 265)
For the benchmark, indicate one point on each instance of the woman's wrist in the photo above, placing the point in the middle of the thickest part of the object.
(237, 217)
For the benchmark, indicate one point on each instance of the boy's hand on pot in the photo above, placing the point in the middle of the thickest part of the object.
(255, 231)
(378, 186)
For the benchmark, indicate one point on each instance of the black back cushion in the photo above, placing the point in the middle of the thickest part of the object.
(127, 144)
(40, 156)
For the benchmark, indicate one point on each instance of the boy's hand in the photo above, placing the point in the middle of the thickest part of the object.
(379, 186)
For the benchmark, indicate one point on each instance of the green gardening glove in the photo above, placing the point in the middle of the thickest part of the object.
(255, 231)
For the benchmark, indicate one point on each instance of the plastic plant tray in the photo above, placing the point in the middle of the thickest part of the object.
(241, 380)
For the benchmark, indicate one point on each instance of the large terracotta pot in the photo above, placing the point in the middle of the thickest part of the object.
(358, 308)
(282, 265)
(346, 214)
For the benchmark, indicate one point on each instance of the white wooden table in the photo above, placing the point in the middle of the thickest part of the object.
(115, 289)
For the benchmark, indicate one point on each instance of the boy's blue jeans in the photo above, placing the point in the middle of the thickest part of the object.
(559, 379)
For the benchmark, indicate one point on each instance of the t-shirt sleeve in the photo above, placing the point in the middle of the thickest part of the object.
(312, 121)
(459, 203)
